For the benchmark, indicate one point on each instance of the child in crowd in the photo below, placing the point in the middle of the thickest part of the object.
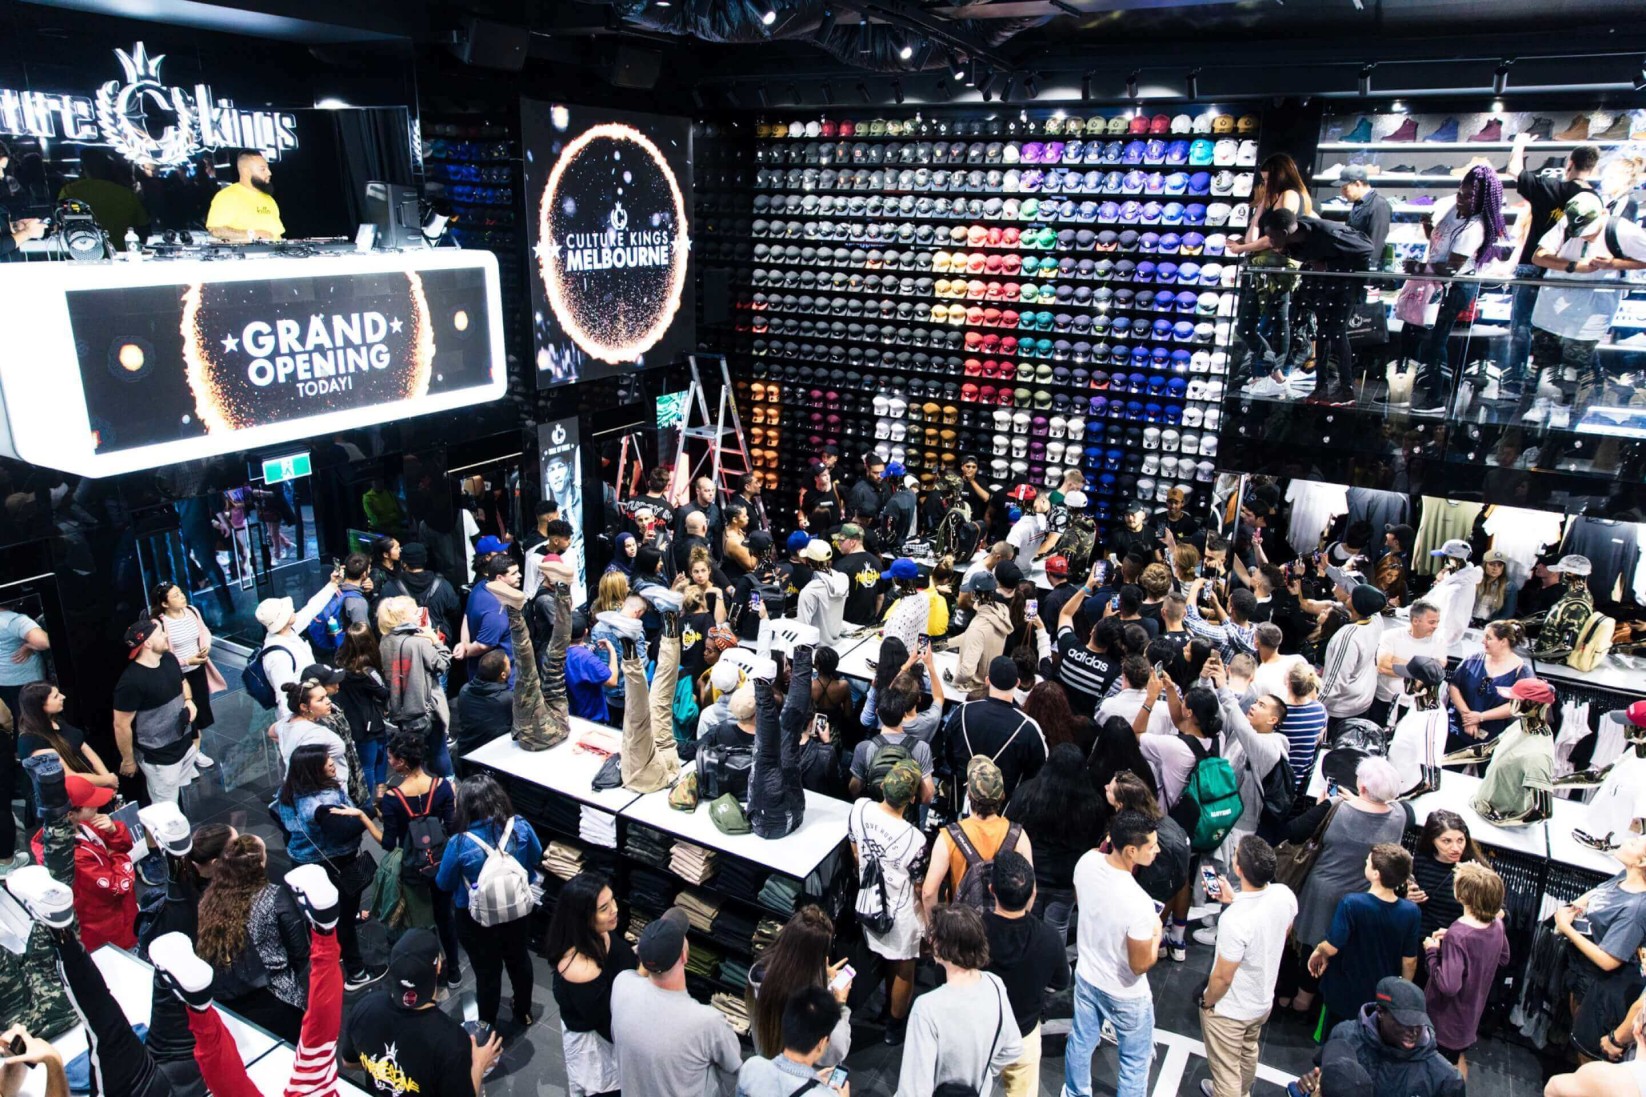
(1463, 961)
(105, 883)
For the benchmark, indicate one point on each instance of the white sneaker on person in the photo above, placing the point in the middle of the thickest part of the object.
(1207, 937)
(315, 893)
(1538, 413)
(1178, 950)
(1206, 1089)
(168, 827)
(202, 760)
(1265, 387)
(181, 969)
(47, 901)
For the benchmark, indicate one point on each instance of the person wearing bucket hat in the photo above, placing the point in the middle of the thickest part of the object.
(886, 847)
(984, 831)
(1517, 789)
(285, 649)
(1348, 681)
(1389, 1047)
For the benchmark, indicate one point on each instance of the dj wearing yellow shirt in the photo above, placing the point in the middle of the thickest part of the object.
(245, 210)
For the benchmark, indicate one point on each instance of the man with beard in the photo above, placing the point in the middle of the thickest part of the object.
(863, 569)
(245, 210)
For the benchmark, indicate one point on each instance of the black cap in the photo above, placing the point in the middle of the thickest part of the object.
(138, 635)
(1421, 668)
(759, 541)
(1008, 575)
(1341, 1074)
(412, 968)
(414, 555)
(1403, 1001)
(1002, 672)
(320, 672)
(660, 941)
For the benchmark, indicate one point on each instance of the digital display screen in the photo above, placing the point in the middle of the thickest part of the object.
(608, 207)
(671, 410)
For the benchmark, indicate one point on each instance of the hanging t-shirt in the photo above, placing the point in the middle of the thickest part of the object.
(1521, 534)
(1314, 505)
(1380, 508)
(1613, 549)
(1443, 520)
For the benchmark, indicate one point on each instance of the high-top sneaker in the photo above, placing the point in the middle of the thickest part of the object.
(1446, 131)
(48, 902)
(1577, 131)
(1617, 131)
(1361, 133)
(181, 969)
(1543, 129)
(1406, 131)
(1491, 131)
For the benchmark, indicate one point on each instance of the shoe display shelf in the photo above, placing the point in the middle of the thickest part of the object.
(1083, 298)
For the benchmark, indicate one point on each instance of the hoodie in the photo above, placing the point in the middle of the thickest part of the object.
(1418, 1072)
(434, 594)
(413, 665)
(485, 710)
(822, 604)
(983, 639)
(1027, 956)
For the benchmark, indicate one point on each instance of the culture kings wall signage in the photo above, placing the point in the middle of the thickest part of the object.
(144, 119)
(198, 358)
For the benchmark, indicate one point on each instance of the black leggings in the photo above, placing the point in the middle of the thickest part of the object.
(491, 949)
(348, 913)
(120, 1065)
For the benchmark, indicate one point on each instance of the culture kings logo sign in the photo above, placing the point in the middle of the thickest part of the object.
(250, 361)
(612, 242)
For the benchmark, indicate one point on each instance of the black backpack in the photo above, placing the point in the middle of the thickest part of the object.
(974, 890)
(1279, 791)
(425, 841)
(723, 769)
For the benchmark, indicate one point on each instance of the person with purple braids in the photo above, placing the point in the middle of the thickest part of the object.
(1464, 240)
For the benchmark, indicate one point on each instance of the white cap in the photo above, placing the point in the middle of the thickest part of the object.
(1076, 428)
(1193, 415)
(1162, 490)
(1054, 453)
(900, 430)
(1190, 443)
(1020, 421)
(1170, 440)
(1057, 427)
(998, 468)
(1074, 500)
(1205, 472)
(1208, 445)
(1053, 476)
(1145, 487)
(1213, 417)
(1151, 437)
(1020, 446)
(1002, 419)
(882, 404)
(883, 451)
(725, 676)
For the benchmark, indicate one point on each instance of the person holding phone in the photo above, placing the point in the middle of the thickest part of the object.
(796, 962)
(810, 1019)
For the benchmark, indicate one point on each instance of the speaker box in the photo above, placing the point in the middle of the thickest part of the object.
(636, 68)
(491, 45)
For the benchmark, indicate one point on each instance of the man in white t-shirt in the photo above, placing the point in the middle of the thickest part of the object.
(1127, 703)
(1251, 938)
(1029, 531)
(1272, 667)
(1118, 937)
(1575, 305)
(1400, 645)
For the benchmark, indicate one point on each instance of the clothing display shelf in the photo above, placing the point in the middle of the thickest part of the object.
(1081, 222)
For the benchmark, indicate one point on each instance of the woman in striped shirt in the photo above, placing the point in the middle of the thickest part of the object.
(1305, 721)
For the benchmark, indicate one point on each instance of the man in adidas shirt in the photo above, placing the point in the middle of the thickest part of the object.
(1086, 670)
(1348, 674)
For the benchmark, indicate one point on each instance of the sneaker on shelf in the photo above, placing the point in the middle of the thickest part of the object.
(1617, 131)
(1543, 129)
(181, 969)
(47, 901)
(1425, 403)
(1491, 131)
(1446, 131)
(365, 977)
(202, 760)
(1361, 133)
(1577, 131)
(1560, 418)
(1267, 387)
(167, 827)
(315, 893)
(1538, 413)
(1406, 131)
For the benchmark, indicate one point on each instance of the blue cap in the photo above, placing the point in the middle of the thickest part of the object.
(902, 568)
(487, 545)
(895, 469)
(798, 540)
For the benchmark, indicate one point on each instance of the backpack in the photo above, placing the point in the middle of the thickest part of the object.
(873, 908)
(1077, 543)
(1594, 640)
(425, 841)
(502, 890)
(1279, 790)
(1210, 804)
(722, 769)
(256, 680)
(325, 632)
(882, 757)
(974, 890)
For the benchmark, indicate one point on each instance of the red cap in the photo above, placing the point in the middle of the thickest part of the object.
(84, 794)
(1022, 493)
(1636, 714)
(1057, 565)
(1535, 690)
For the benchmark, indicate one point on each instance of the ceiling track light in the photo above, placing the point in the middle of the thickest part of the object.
(697, 99)
(973, 73)
(1191, 85)
(761, 95)
(863, 34)
(731, 96)
(1010, 89)
(986, 88)
(905, 51)
(1500, 76)
(768, 16)
(957, 70)
(828, 93)
(923, 55)
(825, 24)
(897, 92)
(1131, 84)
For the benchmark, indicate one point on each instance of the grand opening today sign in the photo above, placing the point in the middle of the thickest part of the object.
(138, 366)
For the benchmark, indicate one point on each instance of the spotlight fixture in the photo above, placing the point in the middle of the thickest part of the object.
(1191, 85)
(768, 17)
(697, 99)
(986, 88)
(731, 96)
(1010, 89)
(897, 92)
(905, 52)
(863, 90)
(1086, 86)
(828, 93)
(956, 69)
(1500, 76)
(923, 55)
(973, 73)
(1031, 85)
(1365, 81)
(863, 34)
(1131, 84)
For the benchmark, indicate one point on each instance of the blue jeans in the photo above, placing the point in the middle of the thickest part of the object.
(1133, 1020)
(374, 762)
(439, 761)
(1056, 907)
(1520, 325)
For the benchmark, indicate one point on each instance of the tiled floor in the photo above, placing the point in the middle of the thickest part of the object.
(533, 1065)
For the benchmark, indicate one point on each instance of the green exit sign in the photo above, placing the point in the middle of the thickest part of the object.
(293, 466)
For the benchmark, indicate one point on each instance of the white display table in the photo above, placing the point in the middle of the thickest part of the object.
(564, 769)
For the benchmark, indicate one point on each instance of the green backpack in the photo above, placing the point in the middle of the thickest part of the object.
(1210, 804)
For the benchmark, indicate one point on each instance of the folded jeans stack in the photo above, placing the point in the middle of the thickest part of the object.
(733, 929)
(740, 878)
(651, 891)
(648, 846)
(563, 859)
(735, 974)
(703, 961)
(701, 910)
(780, 893)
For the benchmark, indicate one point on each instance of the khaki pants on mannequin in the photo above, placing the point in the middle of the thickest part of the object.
(648, 718)
(1231, 1052)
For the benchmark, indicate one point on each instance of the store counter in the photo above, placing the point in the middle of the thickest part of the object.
(800, 854)
(855, 663)
(131, 981)
(1457, 793)
(565, 769)
(1616, 672)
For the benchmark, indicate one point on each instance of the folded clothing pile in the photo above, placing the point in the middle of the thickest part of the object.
(780, 893)
(563, 859)
(648, 846)
(597, 827)
(735, 974)
(740, 878)
(703, 960)
(692, 863)
(734, 1010)
(764, 934)
(701, 910)
(650, 890)
(733, 929)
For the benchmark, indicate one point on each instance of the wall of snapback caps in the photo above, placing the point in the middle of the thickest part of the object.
(1040, 290)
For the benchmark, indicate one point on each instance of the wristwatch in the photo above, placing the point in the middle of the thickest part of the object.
(1571, 266)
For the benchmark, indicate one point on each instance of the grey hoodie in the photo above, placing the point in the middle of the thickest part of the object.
(413, 663)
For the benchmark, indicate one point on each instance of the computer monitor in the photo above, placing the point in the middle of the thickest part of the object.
(396, 214)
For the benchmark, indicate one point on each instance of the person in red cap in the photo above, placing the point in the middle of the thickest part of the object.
(105, 883)
(1057, 575)
(1519, 784)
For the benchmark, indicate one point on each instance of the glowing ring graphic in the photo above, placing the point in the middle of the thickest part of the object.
(560, 293)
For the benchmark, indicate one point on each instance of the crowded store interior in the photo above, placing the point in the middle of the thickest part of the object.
(1044, 547)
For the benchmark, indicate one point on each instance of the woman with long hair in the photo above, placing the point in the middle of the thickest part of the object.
(324, 827)
(1048, 705)
(419, 794)
(1479, 711)
(587, 952)
(1444, 844)
(485, 821)
(40, 730)
(1063, 815)
(894, 659)
(1116, 751)
(798, 958)
(385, 566)
(1168, 875)
(1462, 242)
(307, 711)
(363, 697)
(191, 643)
(256, 939)
(736, 560)
(1495, 596)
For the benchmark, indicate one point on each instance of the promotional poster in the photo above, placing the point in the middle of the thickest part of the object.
(165, 362)
(609, 194)
(562, 456)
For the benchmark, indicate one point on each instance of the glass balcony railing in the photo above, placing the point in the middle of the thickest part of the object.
(1490, 377)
